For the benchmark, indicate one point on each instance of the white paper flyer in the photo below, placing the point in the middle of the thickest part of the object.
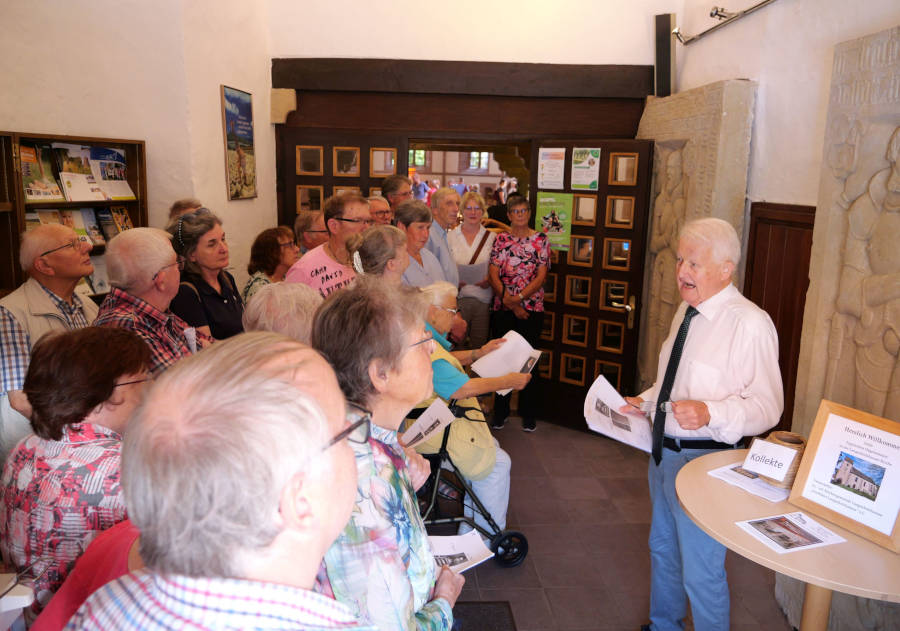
(736, 475)
(856, 473)
(435, 418)
(551, 167)
(601, 411)
(517, 355)
(790, 532)
(460, 552)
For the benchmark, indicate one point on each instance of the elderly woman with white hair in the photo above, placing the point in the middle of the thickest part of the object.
(473, 450)
(286, 308)
(382, 565)
(145, 274)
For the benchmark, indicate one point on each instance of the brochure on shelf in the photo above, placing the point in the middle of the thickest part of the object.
(121, 217)
(78, 183)
(601, 411)
(38, 181)
(460, 552)
(107, 223)
(108, 167)
(99, 279)
(516, 352)
(93, 226)
(73, 219)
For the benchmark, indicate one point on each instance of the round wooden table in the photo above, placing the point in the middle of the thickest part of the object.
(857, 567)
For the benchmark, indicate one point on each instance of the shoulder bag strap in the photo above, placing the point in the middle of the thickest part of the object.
(480, 246)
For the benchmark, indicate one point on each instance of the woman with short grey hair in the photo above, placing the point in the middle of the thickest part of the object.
(286, 308)
(379, 251)
(208, 298)
(382, 565)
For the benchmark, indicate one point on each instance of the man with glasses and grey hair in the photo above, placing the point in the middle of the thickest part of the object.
(55, 259)
(145, 274)
(327, 268)
(238, 473)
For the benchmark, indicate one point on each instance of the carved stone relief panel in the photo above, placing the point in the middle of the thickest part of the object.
(851, 325)
(702, 139)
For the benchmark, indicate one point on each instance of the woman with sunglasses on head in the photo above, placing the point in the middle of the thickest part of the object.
(60, 486)
(518, 267)
(470, 244)
(382, 565)
(271, 256)
(208, 297)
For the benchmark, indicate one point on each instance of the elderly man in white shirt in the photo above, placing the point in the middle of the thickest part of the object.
(718, 381)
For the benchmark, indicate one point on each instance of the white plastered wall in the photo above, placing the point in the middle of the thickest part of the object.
(787, 48)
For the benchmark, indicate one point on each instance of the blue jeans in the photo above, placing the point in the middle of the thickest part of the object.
(685, 562)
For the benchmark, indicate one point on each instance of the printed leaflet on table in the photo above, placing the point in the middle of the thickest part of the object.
(736, 475)
(601, 411)
(515, 352)
(790, 532)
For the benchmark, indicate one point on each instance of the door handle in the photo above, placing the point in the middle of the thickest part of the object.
(629, 309)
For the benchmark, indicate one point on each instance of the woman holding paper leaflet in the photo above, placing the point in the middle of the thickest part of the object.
(472, 448)
(519, 263)
(470, 244)
(382, 565)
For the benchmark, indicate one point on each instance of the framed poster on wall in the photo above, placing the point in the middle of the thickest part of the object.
(240, 158)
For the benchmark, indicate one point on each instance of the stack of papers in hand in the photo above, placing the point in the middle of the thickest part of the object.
(738, 476)
(601, 411)
(460, 552)
(517, 355)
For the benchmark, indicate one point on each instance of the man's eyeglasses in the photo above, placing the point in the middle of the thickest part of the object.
(358, 431)
(74, 244)
(383, 213)
(179, 261)
(368, 222)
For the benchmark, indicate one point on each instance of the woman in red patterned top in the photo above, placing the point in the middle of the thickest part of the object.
(518, 267)
(60, 486)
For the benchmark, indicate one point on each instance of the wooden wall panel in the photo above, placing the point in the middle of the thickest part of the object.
(777, 278)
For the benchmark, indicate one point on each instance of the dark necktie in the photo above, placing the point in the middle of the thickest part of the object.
(659, 421)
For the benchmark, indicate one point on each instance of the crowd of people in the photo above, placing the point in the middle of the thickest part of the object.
(196, 454)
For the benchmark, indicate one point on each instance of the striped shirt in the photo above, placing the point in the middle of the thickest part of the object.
(147, 601)
(15, 343)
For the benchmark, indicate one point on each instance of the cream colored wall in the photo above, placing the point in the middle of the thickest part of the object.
(525, 31)
(151, 71)
(787, 47)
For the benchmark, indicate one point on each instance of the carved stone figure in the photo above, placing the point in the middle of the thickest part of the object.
(668, 217)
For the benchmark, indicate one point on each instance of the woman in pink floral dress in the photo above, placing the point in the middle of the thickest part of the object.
(519, 262)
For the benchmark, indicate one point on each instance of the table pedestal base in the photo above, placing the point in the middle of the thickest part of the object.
(816, 608)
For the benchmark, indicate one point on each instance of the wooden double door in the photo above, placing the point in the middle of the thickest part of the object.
(595, 284)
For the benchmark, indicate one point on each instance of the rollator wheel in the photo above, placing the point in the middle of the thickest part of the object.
(510, 548)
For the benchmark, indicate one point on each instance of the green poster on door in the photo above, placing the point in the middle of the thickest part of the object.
(554, 217)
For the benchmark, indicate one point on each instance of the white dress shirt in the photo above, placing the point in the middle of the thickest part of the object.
(462, 253)
(729, 362)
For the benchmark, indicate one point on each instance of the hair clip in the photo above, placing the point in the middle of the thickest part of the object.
(357, 263)
(180, 222)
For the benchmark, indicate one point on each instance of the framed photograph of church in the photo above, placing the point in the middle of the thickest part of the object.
(345, 161)
(850, 473)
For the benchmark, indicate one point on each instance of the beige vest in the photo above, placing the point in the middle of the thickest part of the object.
(37, 314)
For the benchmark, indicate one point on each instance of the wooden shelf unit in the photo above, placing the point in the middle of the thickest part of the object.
(12, 195)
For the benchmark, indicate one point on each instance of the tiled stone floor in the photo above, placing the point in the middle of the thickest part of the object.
(583, 504)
